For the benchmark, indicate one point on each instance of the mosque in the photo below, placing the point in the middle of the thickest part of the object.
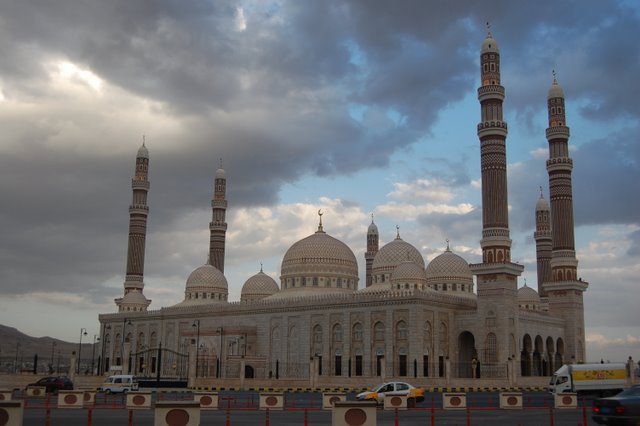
(412, 320)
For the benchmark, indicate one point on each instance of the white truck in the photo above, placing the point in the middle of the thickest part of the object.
(595, 379)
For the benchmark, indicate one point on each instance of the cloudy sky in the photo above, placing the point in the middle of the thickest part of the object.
(354, 107)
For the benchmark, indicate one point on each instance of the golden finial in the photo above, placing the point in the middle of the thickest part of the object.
(397, 232)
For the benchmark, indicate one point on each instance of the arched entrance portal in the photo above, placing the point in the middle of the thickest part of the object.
(466, 353)
(248, 372)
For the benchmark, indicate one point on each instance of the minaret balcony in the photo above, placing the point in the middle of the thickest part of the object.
(140, 184)
(557, 132)
(559, 163)
(220, 204)
(138, 208)
(491, 91)
(492, 128)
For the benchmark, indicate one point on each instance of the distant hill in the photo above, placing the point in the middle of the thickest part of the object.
(18, 350)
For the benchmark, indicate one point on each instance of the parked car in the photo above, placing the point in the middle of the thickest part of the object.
(119, 383)
(621, 409)
(54, 383)
(392, 388)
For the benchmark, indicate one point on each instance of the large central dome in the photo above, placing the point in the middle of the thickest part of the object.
(318, 264)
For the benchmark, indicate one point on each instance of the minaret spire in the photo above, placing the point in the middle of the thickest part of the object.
(544, 243)
(133, 299)
(497, 275)
(372, 250)
(565, 288)
(218, 225)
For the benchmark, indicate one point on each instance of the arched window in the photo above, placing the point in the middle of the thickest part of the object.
(357, 332)
(337, 333)
(401, 330)
(317, 334)
(378, 332)
(491, 348)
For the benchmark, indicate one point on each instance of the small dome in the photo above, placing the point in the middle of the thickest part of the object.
(393, 254)
(527, 294)
(555, 91)
(449, 266)
(220, 173)
(258, 286)
(542, 204)
(206, 277)
(143, 152)
(409, 271)
(489, 45)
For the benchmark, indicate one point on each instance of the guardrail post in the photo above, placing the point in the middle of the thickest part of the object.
(306, 419)
(551, 420)
(130, 423)
(468, 417)
(47, 416)
(89, 415)
(433, 411)
(397, 421)
(266, 418)
(584, 412)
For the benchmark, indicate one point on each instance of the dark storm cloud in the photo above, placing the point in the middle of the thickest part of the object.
(273, 101)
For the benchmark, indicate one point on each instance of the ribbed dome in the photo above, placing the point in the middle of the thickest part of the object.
(449, 267)
(143, 152)
(206, 277)
(489, 45)
(394, 253)
(318, 264)
(258, 286)
(319, 252)
(527, 294)
(409, 271)
(555, 91)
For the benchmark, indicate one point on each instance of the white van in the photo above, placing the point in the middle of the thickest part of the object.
(119, 383)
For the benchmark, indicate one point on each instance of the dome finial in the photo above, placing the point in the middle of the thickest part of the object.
(208, 260)
(488, 29)
(371, 217)
(448, 249)
(260, 266)
(220, 162)
(143, 139)
(525, 282)
(541, 195)
(398, 232)
(555, 81)
(320, 224)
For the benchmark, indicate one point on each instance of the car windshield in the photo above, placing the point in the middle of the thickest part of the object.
(380, 387)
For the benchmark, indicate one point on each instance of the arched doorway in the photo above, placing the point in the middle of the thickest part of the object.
(466, 353)
(525, 356)
(248, 372)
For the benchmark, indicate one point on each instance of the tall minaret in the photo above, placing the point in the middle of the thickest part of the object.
(565, 290)
(133, 299)
(372, 249)
(496, 275)
(544, 243)
(218, 226)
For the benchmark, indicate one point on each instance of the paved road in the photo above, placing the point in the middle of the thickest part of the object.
(243, 411)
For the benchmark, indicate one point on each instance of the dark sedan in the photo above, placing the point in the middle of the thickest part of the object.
(622, 409)
(54, 383)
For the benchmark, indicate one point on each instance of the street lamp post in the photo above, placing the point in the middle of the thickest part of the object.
(93, 350)
(15, 364)
(196, 323)
(53, 346)
(83, 331)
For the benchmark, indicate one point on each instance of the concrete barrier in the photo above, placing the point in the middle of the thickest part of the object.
(89, 398)
(207, 400)
(36, 391)
(177, 413)
(70, 399)
(272, 400)
(11, 413)
(393, 402)
(511, 400)
(566, 400)
(140, 400)
(354, 413)
(329, 398)
(6, 394)
(454, 401)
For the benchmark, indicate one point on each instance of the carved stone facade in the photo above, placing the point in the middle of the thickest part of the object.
(409, 320)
